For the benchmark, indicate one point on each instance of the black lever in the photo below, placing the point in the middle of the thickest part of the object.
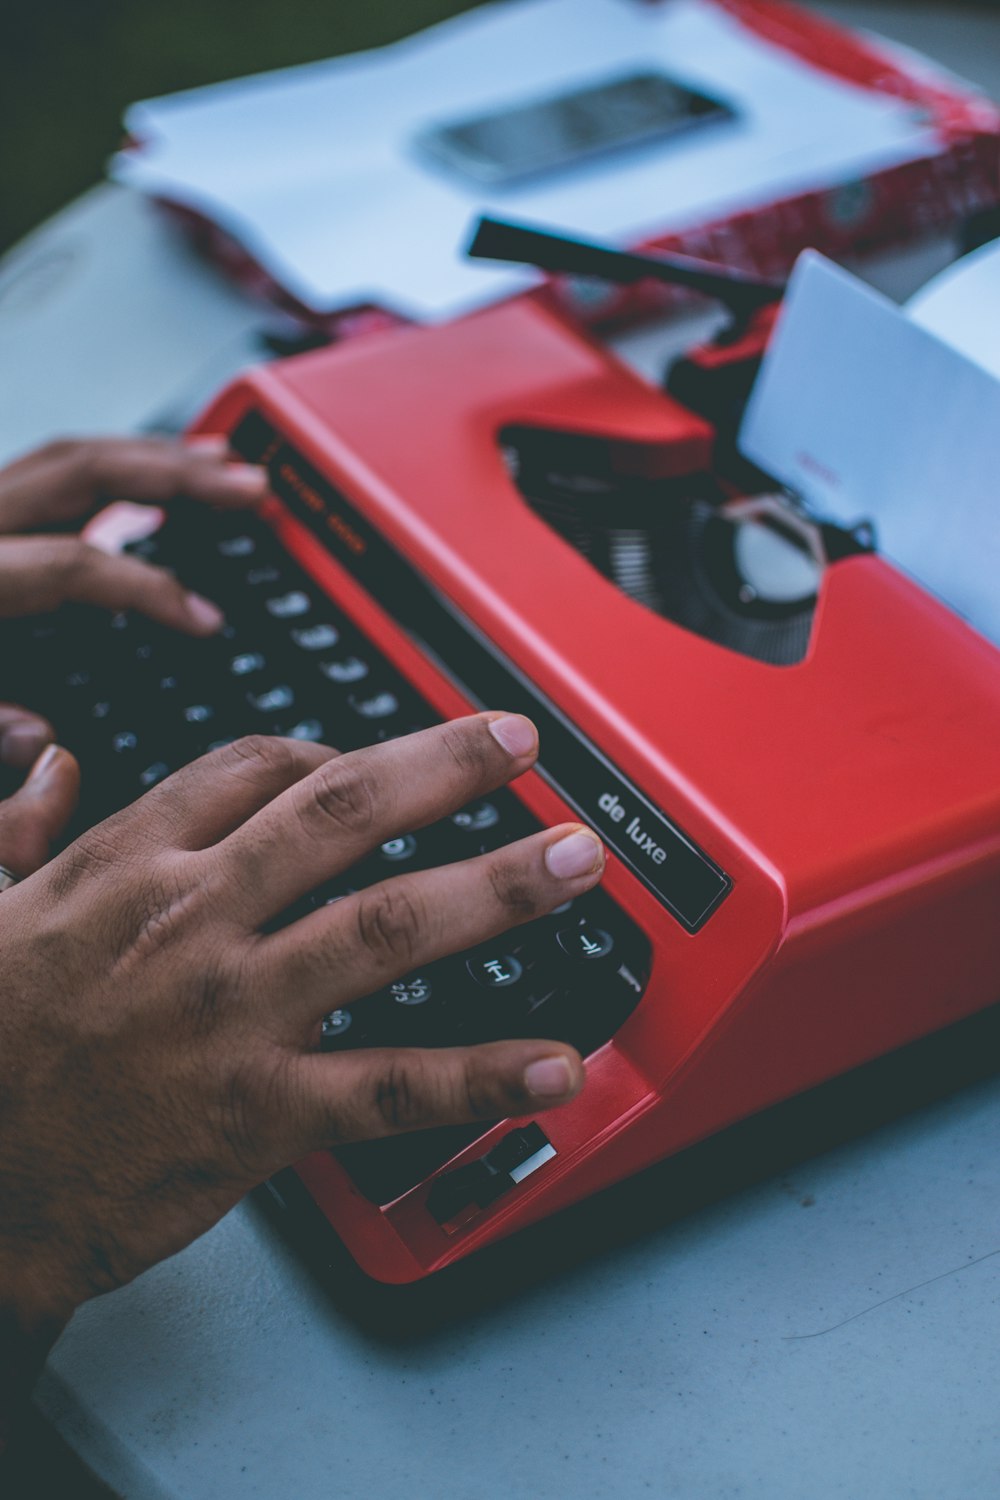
(744, 294)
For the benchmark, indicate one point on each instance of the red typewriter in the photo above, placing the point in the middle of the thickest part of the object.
(798, 789)
(789, 749)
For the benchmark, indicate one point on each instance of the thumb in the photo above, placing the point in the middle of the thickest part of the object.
(39, 811)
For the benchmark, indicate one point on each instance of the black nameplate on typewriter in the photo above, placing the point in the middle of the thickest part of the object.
(680, 874)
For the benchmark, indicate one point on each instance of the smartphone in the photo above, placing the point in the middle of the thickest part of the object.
(554, 133)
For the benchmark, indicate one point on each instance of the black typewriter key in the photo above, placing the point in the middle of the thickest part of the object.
(585, 941)
(375, 706)
(412, 1012)
(336, 1029)
(345, 669)
(319, 637)
(289, 606)
(198, 713)
(398, 851)
(308, 729)
(272, 700)
(478, 817)
(154, 774)
(245, 662)
(416, 990)
(495, 971)
(508, 991)
(393, 858)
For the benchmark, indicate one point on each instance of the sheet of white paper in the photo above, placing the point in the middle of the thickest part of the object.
(312, 168)
(962, 306)
(869, 416)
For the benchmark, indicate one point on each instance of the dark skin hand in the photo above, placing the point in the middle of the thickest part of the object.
(45, 499)
(158, 1050)
(57, 489)
(158, 1046)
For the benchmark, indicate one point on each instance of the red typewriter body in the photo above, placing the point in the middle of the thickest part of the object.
(835, 822)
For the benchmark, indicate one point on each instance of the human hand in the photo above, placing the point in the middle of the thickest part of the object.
(23, 737)
(158, 1046)
(38, 812)
(55, 489)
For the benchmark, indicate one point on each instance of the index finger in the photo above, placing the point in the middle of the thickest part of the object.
(345, 809)
(70, 480)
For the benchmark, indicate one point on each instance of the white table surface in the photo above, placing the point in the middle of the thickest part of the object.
(830, 1331)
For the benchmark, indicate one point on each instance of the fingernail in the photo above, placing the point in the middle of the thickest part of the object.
(202, 612)
(549, 1078)
(248, 479)
(575, 855)
(44, 764)
(211, 444)
(21, 744)
(518, 736)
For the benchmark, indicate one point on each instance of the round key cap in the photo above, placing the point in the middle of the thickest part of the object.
(345, 669)
(247, 661)
(397, 851)
(199, 713)
(272, 700)
(154, 773)
(413, 991)
(307, 729)
(585, 941)
(377, 706)
(495, 971)
(335, 1027)
(316, 637)
(477, 817)
(287, 606)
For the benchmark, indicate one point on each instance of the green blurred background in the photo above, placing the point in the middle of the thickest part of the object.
(68, 68)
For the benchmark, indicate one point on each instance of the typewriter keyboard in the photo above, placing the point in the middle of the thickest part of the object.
(136, 701)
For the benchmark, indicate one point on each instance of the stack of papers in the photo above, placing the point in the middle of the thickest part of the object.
(314, 170)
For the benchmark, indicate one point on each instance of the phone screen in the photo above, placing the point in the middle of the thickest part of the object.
(547, 134)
